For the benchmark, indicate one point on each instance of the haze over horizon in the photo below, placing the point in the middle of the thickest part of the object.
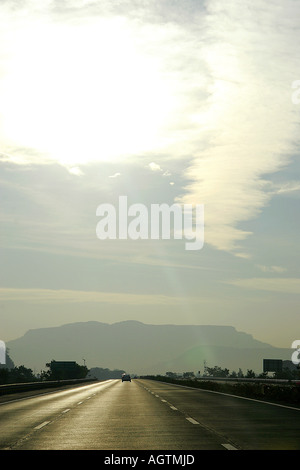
(162, 102)
(142, 348)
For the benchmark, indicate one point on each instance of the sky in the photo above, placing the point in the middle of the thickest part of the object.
(188, 102)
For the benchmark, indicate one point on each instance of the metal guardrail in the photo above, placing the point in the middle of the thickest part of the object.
(28, 386)
(252, 380)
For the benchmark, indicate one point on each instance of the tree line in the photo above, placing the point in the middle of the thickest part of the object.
(216, 371)
(10, 374)
(23, 374)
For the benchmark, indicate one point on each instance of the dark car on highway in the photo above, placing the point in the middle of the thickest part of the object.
(126, 378)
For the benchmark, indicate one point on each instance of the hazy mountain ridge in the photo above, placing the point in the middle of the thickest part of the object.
(142, 348)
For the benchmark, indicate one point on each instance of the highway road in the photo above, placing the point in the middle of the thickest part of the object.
(144, 415)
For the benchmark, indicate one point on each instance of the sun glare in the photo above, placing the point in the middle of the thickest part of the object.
(82, 93)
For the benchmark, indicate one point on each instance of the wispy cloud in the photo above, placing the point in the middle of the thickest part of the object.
(154, 166)
(271, 269)
(249, 125)
(75, 170)
(74, 296)
(288, 187)
(279, 285)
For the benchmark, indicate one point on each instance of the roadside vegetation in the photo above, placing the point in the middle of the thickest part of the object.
(260, 387)
(10, 374)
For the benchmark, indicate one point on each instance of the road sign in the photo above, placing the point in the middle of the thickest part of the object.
(272, 365)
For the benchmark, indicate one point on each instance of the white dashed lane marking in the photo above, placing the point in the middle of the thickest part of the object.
(192, 420)
(229, 447)
(40, 426)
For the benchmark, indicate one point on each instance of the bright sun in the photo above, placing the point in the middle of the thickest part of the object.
(82, 93)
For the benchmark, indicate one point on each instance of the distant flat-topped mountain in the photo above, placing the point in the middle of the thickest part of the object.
(142, 348)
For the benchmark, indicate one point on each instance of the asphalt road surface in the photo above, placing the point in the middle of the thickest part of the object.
(145, 415)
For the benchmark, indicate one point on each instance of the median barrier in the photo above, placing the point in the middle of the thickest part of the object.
(28, 386)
